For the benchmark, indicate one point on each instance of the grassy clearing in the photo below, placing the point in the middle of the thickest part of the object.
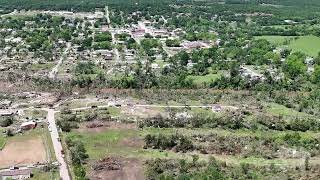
(200, 80)
(75, 104)
(100, 144)
(277, 109)
(45, 66)
(110, 143)
(38, 175)
(35, 114)
(276, 40)
(114, 111)
(2, 142)
(49, 146)
(307, 44)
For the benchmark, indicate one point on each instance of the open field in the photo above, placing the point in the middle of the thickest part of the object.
(309, 45)
(126, 142)
(118, 144)
(23, 150)
(276, 40)
(200, 80)
(276, 109)
(38, 175)
(169, 89)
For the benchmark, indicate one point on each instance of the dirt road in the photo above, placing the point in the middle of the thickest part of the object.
(54, 71)
(64, 173)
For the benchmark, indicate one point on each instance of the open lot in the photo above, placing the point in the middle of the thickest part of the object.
(23, 150)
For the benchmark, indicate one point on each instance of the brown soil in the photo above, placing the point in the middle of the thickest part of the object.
(94, 125)
(112, 168)
(23, 152)
(140, 112)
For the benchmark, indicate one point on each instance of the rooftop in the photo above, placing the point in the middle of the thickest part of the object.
(16, 172)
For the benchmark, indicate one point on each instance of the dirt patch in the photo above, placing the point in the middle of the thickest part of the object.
(112, 168)
(23, 152)
(133, 142)
(100, 126)
(139, 112)
(94, 125)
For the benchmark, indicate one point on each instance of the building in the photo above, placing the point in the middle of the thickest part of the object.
(138, 33)
(189, 45)
(28, 125)
(160, 32)
(15, 174)
(7, 112)
(216, 108)
(5, 104)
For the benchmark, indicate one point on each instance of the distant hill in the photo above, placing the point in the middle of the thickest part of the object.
(277, 2)
(74, 4)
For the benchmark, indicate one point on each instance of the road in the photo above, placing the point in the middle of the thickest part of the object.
(54, 71)
(63, 170)
(108, 15)
(116, 51)
(113, 32)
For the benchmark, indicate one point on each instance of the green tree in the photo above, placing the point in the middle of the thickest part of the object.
(294, 65)
(316, 74)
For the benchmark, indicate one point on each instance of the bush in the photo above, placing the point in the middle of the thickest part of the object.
(177, 142)
(5, 122)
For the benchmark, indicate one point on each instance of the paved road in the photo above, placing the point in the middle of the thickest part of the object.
(54, 71)
(64, 173)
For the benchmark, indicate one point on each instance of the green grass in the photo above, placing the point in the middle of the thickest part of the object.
(110, 143)
(199, 80)
(2, 142)
(44, 66)
(35, 114)
(38, 175)
(277, 109)
(114, 111)
(100, 144)
(307, 44)
(276, 40)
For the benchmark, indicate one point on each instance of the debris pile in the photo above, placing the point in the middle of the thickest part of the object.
(107, 164)
(94, 125)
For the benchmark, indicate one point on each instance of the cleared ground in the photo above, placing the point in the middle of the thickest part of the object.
(114, 168)
(23, 151)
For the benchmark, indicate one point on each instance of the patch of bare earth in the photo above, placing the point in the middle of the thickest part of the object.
(23, 152)
(100, 126)
(133, 142)
(114, 168)
(140, 112)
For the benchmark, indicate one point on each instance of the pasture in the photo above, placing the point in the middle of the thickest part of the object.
(277, 40)
(309, 45)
